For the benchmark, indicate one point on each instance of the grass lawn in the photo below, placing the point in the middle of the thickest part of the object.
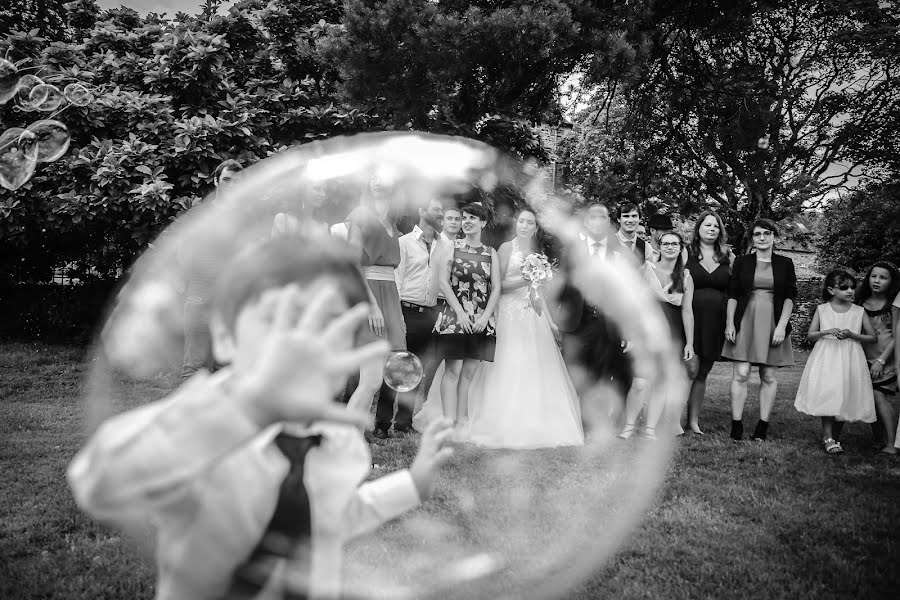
(752, 520)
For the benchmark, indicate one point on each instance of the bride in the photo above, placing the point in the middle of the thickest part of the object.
(525, 398)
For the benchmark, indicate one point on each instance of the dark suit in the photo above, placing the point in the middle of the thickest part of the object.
(593, 342)
(741, 284)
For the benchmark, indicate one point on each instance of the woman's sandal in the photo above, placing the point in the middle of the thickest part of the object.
(833, 447)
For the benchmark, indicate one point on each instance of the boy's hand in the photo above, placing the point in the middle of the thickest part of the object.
(433, 454)
(304, 357)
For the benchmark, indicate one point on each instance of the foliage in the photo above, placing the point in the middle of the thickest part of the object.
(862, 227)
(173, 99)
(753, 108)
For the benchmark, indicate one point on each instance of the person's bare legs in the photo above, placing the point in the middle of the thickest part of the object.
(370, 378)
(886, 415)
(768, 389)
(462, 389)
(697, 395)
(634, 403)
(740, 377)
(449, 385)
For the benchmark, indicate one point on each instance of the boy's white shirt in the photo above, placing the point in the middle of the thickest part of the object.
(208, 479)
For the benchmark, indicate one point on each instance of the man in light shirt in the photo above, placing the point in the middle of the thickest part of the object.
(629, 217)
(417, 284)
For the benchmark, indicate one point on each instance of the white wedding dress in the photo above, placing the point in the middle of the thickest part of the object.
(525, 398)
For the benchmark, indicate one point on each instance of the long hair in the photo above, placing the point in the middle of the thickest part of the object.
(720, 246)
(678, 271)
(864, 291)
(537, 241)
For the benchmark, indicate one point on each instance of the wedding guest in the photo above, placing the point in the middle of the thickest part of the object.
(470, 280)
(418, 278)
(673, 287)
(881, 283)
(201, 267)
(659, 224)
(451, 224)
(835, 384)
(709, 262)
(629, 218)
(302, 214)
(761, 294)
(251, 477)
(592, 345)
(373, 232)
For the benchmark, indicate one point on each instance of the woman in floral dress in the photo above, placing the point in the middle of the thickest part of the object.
(470, 281)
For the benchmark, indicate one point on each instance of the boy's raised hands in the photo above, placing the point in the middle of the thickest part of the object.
(305, 355)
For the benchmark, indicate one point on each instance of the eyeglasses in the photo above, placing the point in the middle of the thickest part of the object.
(670, 244)
(762, 234)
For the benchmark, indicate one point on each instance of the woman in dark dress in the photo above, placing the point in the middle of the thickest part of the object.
(466, 326)
(709, 262)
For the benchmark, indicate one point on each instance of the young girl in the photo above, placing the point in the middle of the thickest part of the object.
(882, 282)
(835, 383)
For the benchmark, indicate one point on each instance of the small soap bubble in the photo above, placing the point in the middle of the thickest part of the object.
(18, 157)
(30, 92)
(9, 80)
(77, 94)
(52, 137)
(403, 371)
(53, 98)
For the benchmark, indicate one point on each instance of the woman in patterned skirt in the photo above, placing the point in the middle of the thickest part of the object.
(470, 281)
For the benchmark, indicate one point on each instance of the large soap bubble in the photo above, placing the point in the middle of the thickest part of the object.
(52, 137)
(18, 157)
(501, 523)
(9, 80)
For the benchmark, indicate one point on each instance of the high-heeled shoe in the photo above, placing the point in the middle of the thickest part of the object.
(627, 432)
(696, 429)
(737, 430)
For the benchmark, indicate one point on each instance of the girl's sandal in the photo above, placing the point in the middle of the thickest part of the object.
(833, 447)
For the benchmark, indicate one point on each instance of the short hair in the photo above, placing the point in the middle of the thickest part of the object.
(452, 207)
(477, 209)
(767, 224)
(627, 207)
(230, 165)
(834, 279)
(282, 261)
(594, 204)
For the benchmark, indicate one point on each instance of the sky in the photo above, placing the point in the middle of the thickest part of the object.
(158, 6)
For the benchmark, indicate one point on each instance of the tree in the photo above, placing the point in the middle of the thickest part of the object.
(757, 106)
(173, 99)
(862, 227)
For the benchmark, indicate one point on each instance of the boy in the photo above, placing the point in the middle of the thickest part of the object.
(252, 493)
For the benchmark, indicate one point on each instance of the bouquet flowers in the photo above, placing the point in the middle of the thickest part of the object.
(536, 269)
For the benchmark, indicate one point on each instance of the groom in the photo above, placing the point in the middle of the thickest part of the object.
(591, 341)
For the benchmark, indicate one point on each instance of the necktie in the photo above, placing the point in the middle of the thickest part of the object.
(289, 529)
(596, 246)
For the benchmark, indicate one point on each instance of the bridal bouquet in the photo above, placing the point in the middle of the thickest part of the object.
(536, 270)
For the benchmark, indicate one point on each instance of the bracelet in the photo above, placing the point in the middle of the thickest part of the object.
(880, 361)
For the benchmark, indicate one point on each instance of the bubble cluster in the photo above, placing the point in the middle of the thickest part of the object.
(501, 523)
(47, 139)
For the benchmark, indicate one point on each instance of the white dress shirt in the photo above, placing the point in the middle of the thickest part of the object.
(592, 249)
(417, 273)
(208, 478)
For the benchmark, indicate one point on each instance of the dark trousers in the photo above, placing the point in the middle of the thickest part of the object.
(598, 348)
(420, 340)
